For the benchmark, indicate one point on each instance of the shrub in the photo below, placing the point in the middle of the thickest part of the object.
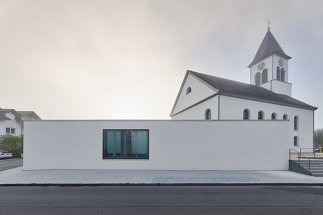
(12, 144)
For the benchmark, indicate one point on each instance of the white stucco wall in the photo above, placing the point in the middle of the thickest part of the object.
(173, 145)
(199, 92)
(232, 108)
(198, 112)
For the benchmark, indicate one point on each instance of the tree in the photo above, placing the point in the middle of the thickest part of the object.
(12, 144)
(318, 137)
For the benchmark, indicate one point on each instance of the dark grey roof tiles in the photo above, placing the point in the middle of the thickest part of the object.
(248, 91)
(268, 46)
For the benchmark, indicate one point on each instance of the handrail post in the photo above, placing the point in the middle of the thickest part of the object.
(309, 165)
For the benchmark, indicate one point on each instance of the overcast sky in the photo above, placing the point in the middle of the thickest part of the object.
(126, 59)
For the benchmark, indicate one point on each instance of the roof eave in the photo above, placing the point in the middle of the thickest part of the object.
(274, 53)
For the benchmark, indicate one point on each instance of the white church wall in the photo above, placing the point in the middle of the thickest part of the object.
(199, 91)
(197, 112)
(231, 108)
(173, 145)
(281, 87)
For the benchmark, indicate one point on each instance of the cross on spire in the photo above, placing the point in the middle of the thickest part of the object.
(268, 28)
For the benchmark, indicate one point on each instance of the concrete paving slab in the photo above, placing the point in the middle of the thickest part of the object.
(17, 176)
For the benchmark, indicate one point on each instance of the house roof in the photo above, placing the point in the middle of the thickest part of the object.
(248, 91)
(29, 113)
(268, 47)
(3, 117)
(13, 111)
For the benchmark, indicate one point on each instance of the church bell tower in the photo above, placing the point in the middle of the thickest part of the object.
(269, 68)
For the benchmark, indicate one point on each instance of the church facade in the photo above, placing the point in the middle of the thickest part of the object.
(267, 97)
(216, 124)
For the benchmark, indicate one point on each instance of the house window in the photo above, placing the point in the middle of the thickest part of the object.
(13, 131)
(257, 78)
(285, 117)
(125, 143)
(295, 141)
(246, 114)
(208, 114)
(273, 116)
(282, 74)
(278, 73)
(188, 90)
(261, 115)
(264, 76)
(8, 130)
(296, 123)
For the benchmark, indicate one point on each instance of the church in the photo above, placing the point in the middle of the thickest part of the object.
(216, 124)
(267, 97)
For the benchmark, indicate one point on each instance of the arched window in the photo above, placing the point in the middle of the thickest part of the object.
(285, 117)
(296, 123)
(278, 73)
(246, 114)
(264, 76)
(282, 74)
(274, 116)
(188, 90)
(261, 115)
(257, 78)
(208, 114)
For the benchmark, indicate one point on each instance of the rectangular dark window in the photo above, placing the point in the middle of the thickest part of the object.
(295, 141)
(125, 143)
(8, 130)
(13, 130)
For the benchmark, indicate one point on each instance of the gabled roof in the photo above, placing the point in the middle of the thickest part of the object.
(3, 117)
(248, 91)
(18, 117)
(268, 47)
(29, 113)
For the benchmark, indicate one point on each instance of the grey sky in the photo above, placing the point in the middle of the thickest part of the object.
(126, 59)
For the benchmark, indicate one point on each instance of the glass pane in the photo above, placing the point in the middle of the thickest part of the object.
(142, 143)
(118, 142)
(110, 142)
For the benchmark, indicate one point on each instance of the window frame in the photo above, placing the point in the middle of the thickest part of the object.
(104, 131)
(8, 129)
(243, 114)
(262, 115)
(264, 76)
(296, 123)
(188, 90)
(273, 116)
(207, 114)
(297, 141)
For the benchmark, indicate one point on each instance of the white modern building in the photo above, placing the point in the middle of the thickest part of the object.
(217, 124)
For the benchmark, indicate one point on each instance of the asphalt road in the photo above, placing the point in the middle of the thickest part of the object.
(10, 163)
(161, 200)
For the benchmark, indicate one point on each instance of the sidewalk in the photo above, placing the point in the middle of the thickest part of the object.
(18, 176)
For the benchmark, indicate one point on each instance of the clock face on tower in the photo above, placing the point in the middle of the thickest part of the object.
(281, 62)
(261, 66)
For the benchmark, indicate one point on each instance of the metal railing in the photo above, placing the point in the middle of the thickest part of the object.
(311, 151)
(300, 156)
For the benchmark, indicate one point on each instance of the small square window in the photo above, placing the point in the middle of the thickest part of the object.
(8, 130)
